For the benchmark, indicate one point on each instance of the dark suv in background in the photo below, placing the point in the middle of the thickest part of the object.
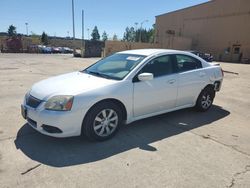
(206, 56)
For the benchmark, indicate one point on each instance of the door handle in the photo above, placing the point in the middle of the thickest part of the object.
(171, 81)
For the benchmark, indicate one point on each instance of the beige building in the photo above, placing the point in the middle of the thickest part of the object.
(220, 27)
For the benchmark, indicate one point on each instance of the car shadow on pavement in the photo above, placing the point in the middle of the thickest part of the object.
(61, 152)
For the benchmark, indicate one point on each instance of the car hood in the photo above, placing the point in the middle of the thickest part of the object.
(68, 84)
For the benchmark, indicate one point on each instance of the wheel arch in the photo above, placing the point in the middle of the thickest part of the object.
(115, 101)
(209, 86)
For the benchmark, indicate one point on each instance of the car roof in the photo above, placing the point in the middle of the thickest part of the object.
(191, 51)
(149, 52)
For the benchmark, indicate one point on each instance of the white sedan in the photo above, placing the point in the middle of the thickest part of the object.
(121, 88)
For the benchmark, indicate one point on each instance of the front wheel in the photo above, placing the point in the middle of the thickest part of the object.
(102, 121)
(205, 99)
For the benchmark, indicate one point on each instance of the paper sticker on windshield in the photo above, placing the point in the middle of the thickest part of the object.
(133, 58)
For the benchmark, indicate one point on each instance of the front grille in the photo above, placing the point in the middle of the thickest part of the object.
(32, 101)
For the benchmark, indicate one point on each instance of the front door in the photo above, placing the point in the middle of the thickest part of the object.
(160, 93)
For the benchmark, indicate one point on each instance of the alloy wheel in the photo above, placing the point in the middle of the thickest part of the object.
(105, 123)
(206, 101)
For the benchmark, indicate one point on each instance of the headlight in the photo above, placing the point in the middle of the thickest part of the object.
(60, 103)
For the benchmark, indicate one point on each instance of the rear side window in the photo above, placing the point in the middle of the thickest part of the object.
(186, 63)
(159, 66)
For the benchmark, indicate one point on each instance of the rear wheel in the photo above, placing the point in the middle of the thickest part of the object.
(102, 121)
(205, 99)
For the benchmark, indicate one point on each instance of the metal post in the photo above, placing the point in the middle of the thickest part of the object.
(27, 32)
(73, 19)
(83, 33)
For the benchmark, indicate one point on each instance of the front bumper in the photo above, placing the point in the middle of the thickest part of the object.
(53, 123)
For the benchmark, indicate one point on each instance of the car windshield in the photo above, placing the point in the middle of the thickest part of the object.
(116, 66)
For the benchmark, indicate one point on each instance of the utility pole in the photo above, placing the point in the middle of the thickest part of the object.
(73, 19)
(27, 32)
(82, 33)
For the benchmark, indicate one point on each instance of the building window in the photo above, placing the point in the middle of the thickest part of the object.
(227, 50)
(170, 32)
(236, 50)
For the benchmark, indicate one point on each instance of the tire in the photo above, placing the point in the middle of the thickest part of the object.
(102, 121)
(205, 99)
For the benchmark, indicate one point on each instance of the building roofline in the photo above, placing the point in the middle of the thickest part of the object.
(201, 4)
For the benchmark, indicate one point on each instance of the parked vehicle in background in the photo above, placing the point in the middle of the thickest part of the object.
(33, 49)
(41, 48)
(66, 50)
(47, 50)
(78, 53)
(246, 60)
(124, 87)
(56, 50)
(206, 56)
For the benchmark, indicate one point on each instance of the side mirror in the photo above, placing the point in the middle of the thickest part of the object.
(145, 76)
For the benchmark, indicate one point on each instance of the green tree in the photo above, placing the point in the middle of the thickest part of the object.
(104, 36)
(95, 34)
(126, 34)
(115, 37)
(132, 34)
(144, 35)
(151, 34)
(12, 31)
(44, 38)
(136, 35)
(129, 34)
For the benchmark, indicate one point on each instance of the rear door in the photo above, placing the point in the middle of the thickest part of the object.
(191, 79)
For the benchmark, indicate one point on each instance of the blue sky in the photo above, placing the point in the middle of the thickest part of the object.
(55, 16)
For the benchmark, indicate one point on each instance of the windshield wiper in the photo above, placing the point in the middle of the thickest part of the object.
(98, 74)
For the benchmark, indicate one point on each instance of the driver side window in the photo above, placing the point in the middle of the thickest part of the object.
(159, 66)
